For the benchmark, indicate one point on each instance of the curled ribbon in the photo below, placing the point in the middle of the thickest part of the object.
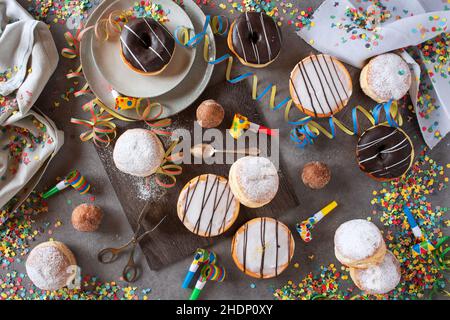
(101, 128)
(168, 170)
(220, 26)
(307, 130)
(154, 122)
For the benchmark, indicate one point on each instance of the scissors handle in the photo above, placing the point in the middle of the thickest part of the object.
(109, 255)
(131, 270)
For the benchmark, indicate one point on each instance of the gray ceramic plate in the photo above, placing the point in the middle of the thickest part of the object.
(174, 101)
(128, 82)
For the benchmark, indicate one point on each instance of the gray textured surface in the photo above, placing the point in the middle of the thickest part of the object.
(351, 188)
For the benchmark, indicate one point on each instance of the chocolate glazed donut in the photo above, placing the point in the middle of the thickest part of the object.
(147, 46)
(384, 152)
(255, 39)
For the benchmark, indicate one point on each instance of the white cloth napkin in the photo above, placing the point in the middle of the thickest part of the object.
(409, 25)
(28, 56)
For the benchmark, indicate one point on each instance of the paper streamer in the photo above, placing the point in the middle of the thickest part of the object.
(101, 128)
(168, 170)
(220, 26)
(306, 130)
(202, 256)
(210, 272)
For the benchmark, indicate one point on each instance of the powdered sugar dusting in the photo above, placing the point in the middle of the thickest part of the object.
(380, 278)
(138, 152)
(47, 268)
(148, 189)
(389, 76)
(357, 239)
(258, 177)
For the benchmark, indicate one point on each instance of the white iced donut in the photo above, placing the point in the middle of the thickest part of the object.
(48, 265)
(386, 77)
(138, 152)
(254, 181)
(320, 85)
(380, 278)
(358, 243)
(263, 248)
(206, 205)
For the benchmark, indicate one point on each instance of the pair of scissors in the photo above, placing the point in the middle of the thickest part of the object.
(109, 255)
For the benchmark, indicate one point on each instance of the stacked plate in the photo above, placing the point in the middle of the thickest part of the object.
(178, 86)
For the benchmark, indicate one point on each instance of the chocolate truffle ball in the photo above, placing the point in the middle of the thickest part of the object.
(316, 175)
(87, 217)
(210, 114)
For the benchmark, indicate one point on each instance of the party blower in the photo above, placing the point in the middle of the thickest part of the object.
(424, 246)
(304, 228)
(241, 124)
(74, 179)
(202, 256)
(209, 272)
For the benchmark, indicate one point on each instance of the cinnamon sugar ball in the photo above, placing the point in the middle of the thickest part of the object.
(316, 175)
(87, 217)
(210, 114)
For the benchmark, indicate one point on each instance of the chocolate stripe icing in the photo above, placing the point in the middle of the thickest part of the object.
(263, 253)
(147, 45)
(209, 199)
(322, 83)
(384, 152)
(256, 38)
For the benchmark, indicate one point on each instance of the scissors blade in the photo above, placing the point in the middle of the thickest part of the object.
(142, 214)
(151, 230)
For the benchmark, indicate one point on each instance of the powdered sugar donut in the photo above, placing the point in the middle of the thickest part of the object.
(358, 243)
(263, 248)
(254, 181)
(206, 205)
(138, 152)
(48, 265)
(386, 77)
(380, 278)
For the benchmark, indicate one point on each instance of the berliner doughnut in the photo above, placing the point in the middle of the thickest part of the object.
(379, 278)
(48, 265)
(359, 244)
(255, 39)
(320, 86)
(384, 153)
(206, 205)
(386, 77)
(147, 47)
(254, 181)
(138, 152)
(263, 248)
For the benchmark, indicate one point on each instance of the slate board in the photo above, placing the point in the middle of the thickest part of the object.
(172, 241)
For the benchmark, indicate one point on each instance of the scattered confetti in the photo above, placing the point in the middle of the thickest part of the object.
(21, 142)
(421, 277)
(436, 52)
(13, 287)
(61, 11)
(281, 11)
(17, 229)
